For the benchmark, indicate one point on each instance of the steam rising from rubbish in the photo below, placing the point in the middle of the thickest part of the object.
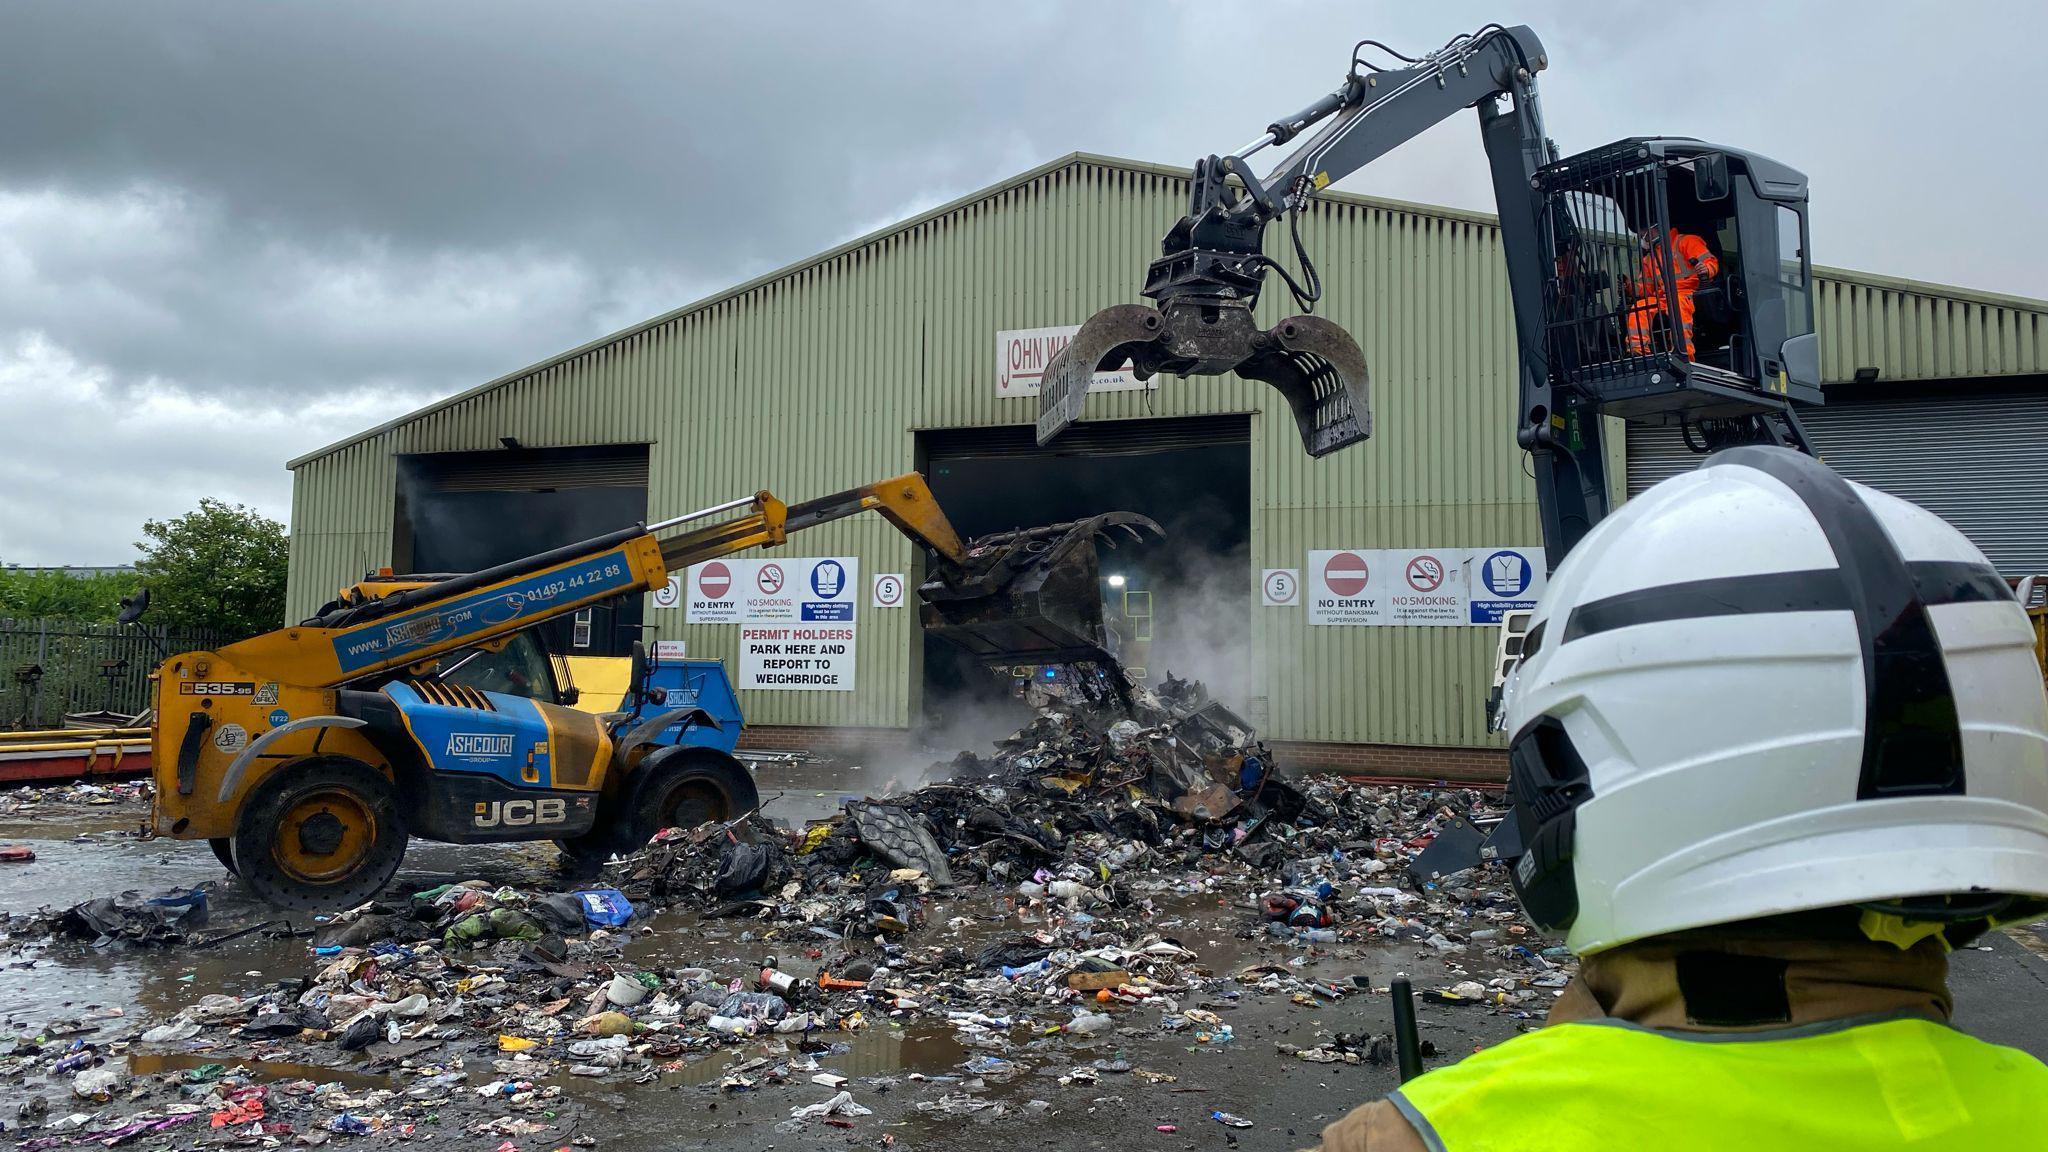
(1206, 634)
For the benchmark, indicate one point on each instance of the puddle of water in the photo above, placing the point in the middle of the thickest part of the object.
(870, 1052)
(156, 1063)
(69, 978)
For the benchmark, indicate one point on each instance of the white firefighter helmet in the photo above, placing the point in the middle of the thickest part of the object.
(1760, 689)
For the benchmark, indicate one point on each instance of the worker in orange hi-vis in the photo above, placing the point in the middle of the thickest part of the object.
(1690, 261)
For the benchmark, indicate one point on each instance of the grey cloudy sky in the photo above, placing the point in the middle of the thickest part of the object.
(230, 233)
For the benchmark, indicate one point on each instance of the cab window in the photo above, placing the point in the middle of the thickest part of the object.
(1792, 265)
(521, 668)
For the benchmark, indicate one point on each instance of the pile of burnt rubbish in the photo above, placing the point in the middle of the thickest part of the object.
(1041, 905)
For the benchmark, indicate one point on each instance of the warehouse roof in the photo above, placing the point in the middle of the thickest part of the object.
(1907, 329)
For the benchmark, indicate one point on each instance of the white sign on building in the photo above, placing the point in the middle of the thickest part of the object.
(1420, 587)
(1023, 353)
(1346, 586)
(1280, 587)
(669, 595)
(888, 590)
(797, 657)
(1425, 586)
(796, 617)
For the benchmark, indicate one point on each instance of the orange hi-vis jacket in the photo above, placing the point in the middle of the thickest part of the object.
(1690, 262)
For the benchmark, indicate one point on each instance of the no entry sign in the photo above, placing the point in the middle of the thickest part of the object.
(1342, 589)
(1346, 573)
(710, 586)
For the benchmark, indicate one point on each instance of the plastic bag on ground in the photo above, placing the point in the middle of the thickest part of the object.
(840, 1105)
(605, 907)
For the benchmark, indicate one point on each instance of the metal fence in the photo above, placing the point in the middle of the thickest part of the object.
(52, 667)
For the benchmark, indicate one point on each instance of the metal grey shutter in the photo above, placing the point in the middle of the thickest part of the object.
(1656, 452)
(1979, 461)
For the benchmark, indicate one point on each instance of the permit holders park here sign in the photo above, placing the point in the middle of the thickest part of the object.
(798, 630)
(1425, 587)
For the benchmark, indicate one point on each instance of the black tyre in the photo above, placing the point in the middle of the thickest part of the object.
(321, 835)
(224, 851)
(683, 788)
(584, 855)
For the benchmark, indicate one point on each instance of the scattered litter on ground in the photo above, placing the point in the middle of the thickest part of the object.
(1107, 892)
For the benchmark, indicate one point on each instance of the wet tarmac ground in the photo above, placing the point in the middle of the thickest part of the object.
(1174, 1082)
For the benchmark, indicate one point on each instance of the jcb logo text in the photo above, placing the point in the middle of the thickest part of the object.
(519, 813)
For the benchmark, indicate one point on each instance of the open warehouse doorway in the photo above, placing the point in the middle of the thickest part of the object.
(1181, 605)
(467, 511)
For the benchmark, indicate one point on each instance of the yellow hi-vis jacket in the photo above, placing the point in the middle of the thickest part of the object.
(1901, 1082)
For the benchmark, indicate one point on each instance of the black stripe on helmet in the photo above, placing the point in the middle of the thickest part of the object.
(1816, 590)
(1912, 738)
(1958, 582)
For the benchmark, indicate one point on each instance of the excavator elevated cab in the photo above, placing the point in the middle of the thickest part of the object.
(1679, 288)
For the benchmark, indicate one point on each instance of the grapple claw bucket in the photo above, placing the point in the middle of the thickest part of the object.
(1315, 364)
(1032, 596)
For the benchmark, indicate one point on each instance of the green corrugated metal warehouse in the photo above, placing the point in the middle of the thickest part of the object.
(881, 355)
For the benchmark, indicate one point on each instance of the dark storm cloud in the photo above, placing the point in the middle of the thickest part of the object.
(232, 232)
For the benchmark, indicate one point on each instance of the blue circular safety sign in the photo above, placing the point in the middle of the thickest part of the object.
(1506, 573)
(827, 578)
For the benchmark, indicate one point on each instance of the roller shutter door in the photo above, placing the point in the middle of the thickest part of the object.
(1978, 461)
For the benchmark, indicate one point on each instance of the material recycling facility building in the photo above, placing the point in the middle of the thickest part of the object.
(917, 347)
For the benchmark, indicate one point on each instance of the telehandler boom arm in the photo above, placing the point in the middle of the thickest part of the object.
(363, 635)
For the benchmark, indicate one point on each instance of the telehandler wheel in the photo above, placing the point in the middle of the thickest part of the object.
(691, 788)
(224, 851)
(321, 835)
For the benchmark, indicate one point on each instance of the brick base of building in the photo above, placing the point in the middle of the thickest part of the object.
(1398, 761)
(838, 743)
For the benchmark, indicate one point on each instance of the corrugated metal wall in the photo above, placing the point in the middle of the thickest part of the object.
(1914, 331)
(817, 378)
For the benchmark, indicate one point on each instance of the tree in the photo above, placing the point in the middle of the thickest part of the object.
(95, 598)
(220, 567)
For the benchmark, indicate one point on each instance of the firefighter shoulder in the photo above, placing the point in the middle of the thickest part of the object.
(1779, 745)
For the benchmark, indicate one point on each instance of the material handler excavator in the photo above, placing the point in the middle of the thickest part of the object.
(1607, 321)
(1604, 324)
(308, 755)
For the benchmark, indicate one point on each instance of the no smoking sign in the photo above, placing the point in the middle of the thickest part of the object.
(1425, 573)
